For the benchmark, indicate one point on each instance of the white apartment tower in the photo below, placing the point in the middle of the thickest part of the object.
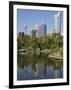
(57, 23)
(26, 29)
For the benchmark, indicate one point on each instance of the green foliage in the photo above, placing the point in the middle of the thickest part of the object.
(61, 51)
(46, 42)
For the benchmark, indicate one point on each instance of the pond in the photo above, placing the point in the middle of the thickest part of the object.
(38, 66)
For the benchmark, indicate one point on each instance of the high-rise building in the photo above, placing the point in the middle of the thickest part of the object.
(57, 23)
(27, 30)
(41, 30)
(20, 34)
(25, 27)
(34, 30)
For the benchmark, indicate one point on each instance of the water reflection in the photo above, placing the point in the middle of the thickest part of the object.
(30, 67)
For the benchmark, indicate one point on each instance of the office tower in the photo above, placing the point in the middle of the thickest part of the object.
(57, 23)
(27, 30)
(25, 26)
(34, 30)
(41, 30)
(20, 34)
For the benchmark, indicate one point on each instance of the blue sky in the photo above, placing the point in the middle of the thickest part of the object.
(34, 17)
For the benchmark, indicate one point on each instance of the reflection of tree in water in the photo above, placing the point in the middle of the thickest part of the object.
(34, 59)
(41, 66)
(55, 63)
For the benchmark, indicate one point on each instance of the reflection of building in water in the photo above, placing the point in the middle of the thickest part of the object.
(28, 70)
(50, 72)
(40, 69)
(25, 73)
(57, 72)
(54, 71)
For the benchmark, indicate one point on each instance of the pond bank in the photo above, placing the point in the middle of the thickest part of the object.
(54, 54)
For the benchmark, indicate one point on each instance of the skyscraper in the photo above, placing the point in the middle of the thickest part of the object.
(57, 23)
(25, 26)
(26, 29)
(34, 30)
(41, 31)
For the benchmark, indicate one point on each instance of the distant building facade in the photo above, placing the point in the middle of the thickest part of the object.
(26, 30)
(57, 23)
(34, 32)
(39, 30)
(20, 34)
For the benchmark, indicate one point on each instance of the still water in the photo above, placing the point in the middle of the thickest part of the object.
(30, 67)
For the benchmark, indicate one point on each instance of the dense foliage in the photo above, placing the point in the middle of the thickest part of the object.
(46, 42)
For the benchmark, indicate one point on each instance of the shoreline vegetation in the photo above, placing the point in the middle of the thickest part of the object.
(50, 44)
(54, 54)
